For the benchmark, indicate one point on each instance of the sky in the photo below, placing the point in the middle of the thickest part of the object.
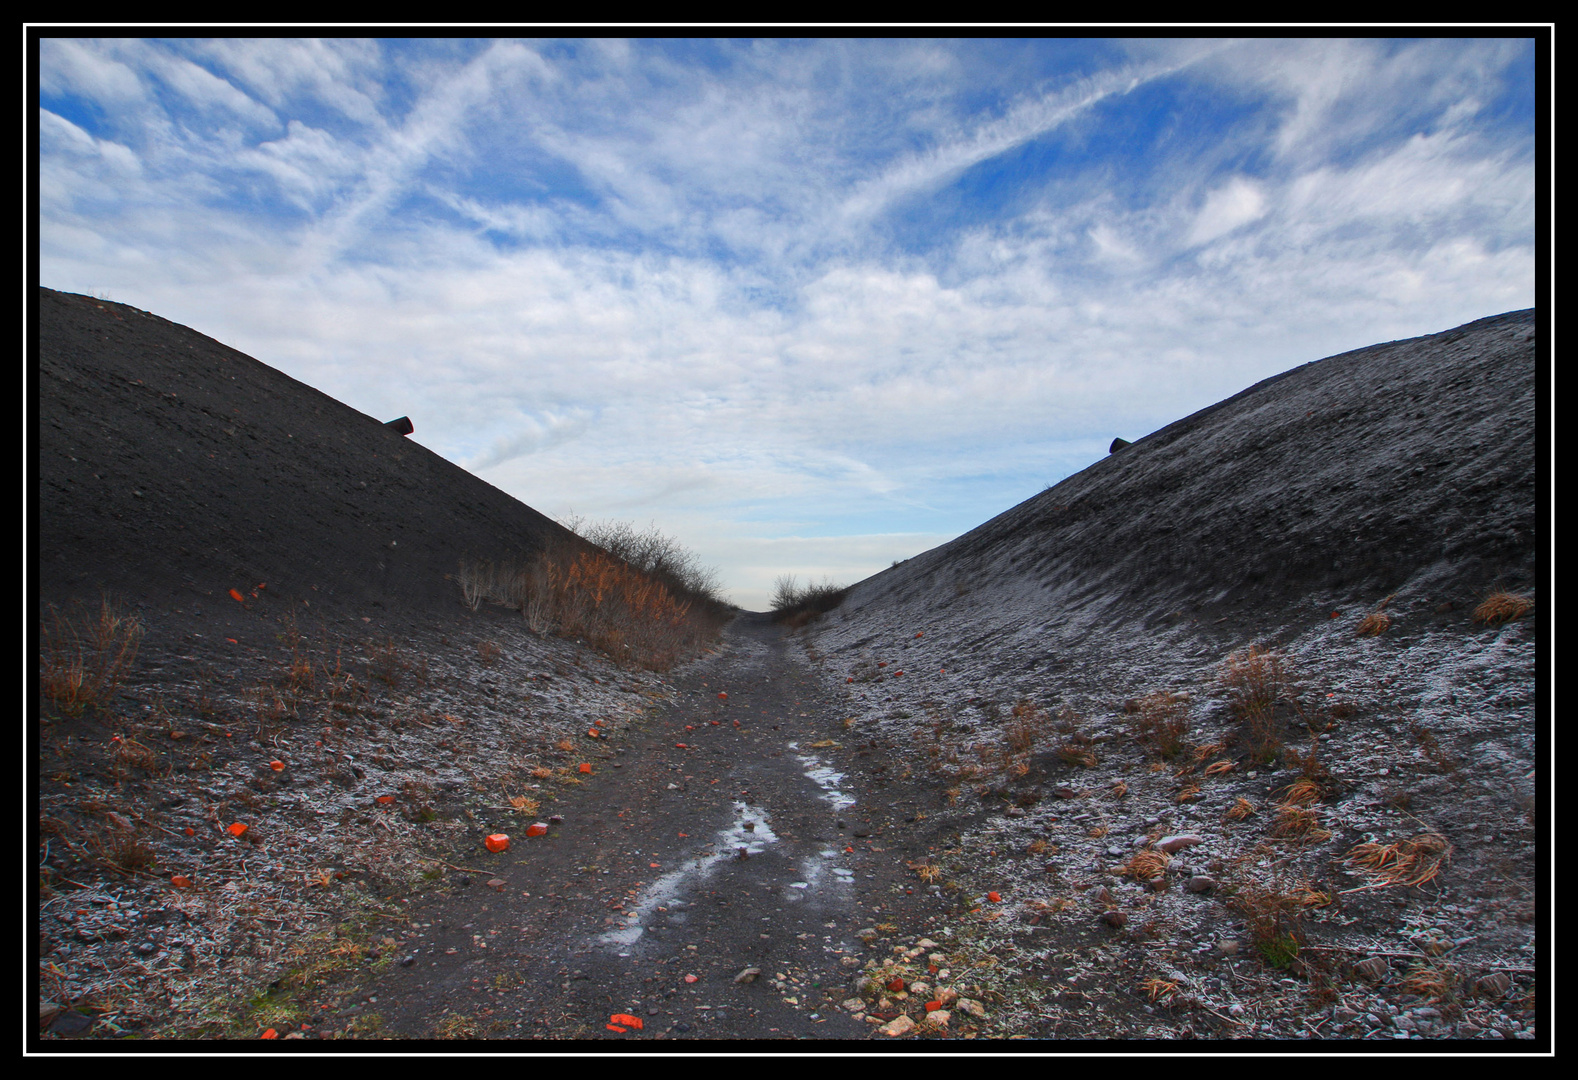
(808, 306)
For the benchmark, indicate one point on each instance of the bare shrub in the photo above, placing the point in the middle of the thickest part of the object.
(798, 604)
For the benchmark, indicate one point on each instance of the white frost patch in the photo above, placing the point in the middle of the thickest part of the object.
(672, 885)
(825, 777)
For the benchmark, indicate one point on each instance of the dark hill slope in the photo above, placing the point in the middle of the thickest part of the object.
(1408, 461)
(171, 465)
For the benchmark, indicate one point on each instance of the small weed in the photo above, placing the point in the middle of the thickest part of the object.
(1279, 950)
(1302, 792)
(1022, 731)
(488, 652)
(1430, 746)
(1074, 754)
(1271, 911)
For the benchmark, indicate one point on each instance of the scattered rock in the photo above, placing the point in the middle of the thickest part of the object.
(903, 1025)
(1200, 883)
(1494, 985)
(971, 1006)
(1174, 844)
(1372, 969)
(748, 975)
(1114, 919)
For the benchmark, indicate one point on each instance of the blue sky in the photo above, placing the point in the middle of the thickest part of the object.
(809, 306)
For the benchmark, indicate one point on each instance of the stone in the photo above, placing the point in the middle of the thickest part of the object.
(748, 975)
(1200, 883)
(1114, 919)
(1494, 985)
(901, 1026)
(1372, 969)
(1177, 842)
(971, 1006)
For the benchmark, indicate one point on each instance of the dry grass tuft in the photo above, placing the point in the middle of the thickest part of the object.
(1373, 624)
(1436, 981)
(1147, 864)
(1302, 792)
(926, 871)
(1241, 809)
(1411, 862)
(1161, 720)
(1156, 988)
(83, 657)
(1256, 679)
(642, 601)
(1502, 607)
(1074, 754)
(1298, 823)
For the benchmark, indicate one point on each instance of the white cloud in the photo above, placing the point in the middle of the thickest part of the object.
(1234, 204)
(635, 284)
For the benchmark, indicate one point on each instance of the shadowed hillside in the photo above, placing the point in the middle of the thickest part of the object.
(174, 467)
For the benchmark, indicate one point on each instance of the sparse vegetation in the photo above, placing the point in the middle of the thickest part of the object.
(644, 602)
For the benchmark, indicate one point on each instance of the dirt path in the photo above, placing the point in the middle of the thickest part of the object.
(719, 835)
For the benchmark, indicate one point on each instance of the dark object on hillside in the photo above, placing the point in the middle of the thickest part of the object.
(1117, 444)
(404, 426)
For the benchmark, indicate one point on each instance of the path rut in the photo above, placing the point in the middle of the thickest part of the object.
(723, 833)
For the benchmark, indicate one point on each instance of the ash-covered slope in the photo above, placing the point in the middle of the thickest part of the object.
(1404, 465)
(172, 465)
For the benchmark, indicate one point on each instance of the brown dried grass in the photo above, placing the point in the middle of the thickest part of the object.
(84, 656)
(1146, 864)
(1411, 862)
(1502, 607)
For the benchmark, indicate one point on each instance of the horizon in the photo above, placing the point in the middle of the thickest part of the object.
(809, 307)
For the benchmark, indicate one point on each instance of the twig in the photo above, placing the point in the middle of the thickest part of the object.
(467, 869)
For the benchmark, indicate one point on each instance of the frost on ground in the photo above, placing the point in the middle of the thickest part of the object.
(389, 753)
(1218, 721)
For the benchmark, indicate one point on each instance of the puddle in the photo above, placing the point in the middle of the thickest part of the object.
(669, 888)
